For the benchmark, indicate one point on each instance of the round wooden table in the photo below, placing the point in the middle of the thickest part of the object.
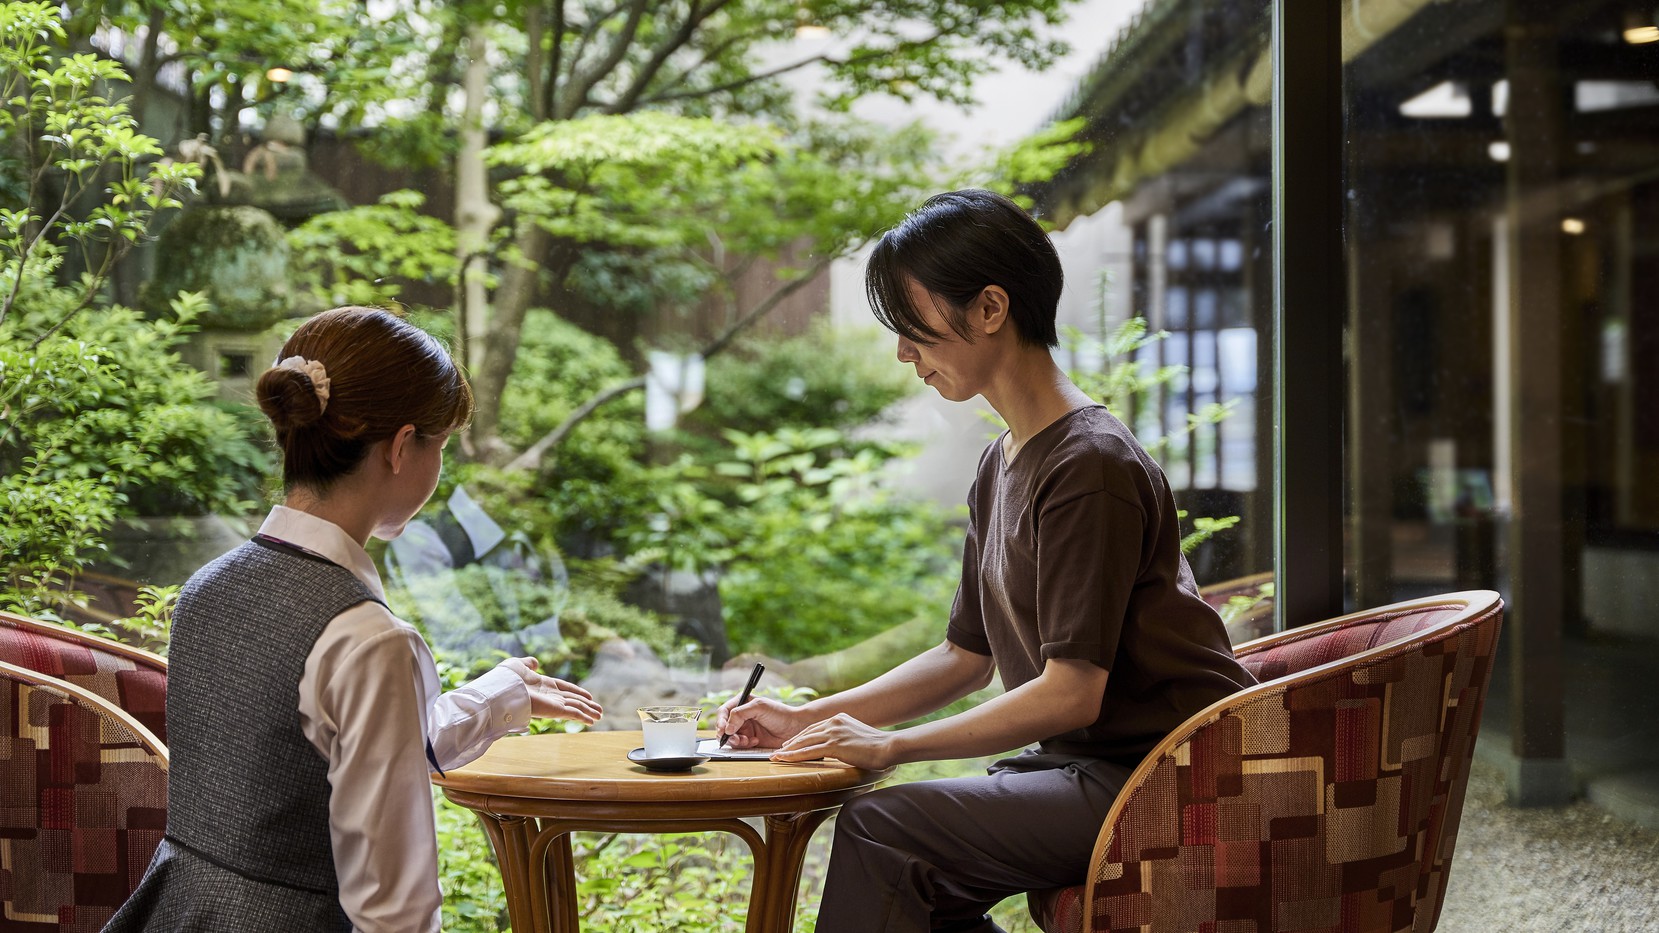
(532, 792)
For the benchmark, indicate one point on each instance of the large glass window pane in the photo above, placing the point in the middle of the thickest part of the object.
(1502, 430)
(1177, 114)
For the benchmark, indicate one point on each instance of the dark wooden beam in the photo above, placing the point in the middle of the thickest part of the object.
(1532, 382)
(1309, 294)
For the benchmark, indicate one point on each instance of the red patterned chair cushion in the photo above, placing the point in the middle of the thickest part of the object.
(1318, 800)
(83, 805)
(134, 681)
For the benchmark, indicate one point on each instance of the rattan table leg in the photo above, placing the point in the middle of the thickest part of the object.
(777, 876)
(560, 868)
(510, 839)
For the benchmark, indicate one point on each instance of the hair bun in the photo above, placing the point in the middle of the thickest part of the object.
(289, 398)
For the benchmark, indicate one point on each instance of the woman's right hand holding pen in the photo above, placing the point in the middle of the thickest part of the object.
(761, 723)
(803, 734)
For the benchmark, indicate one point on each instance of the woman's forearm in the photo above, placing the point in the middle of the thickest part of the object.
(1066, 696)
(924, 684)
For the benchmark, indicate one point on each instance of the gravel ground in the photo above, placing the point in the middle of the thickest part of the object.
(1558, 869)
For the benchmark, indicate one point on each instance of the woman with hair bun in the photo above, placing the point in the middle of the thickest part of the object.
(303, 716)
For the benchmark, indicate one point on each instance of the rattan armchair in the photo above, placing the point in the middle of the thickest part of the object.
(1324, 798)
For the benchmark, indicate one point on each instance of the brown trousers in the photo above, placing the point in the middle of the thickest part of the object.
(936, 855)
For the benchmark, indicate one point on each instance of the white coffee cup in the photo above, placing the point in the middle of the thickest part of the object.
(670, 731)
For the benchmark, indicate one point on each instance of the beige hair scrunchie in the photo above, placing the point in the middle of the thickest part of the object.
(313, 370)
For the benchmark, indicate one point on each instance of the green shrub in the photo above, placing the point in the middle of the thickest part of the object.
(825, 378)
(475, 900)
(805, 590)
(99, 418)
(560, 366)
(814, 554)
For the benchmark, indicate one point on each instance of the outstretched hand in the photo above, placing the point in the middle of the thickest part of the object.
(552, 698)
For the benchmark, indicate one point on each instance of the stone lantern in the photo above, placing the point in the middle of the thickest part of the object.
(232, 246)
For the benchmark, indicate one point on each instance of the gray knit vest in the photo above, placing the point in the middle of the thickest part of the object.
(246, 790)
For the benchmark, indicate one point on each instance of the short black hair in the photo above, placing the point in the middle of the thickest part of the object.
(955, 245)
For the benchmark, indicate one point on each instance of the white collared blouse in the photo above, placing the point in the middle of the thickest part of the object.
(369, 701)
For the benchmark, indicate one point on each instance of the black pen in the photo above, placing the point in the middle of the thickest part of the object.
(748, 688)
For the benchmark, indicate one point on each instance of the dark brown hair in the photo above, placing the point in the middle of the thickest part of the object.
(383, 373)
(955, 245)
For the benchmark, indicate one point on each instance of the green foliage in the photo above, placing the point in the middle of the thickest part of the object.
(824, 378)
(1203, 529)
(107, 399)
(604, 178)
(600, 477)
(62, 125)
(149, 627)
(365, 254)
(662, 212)
(104, 420)
(674, 882)
(640, 282)
(47, 533)
(559, 367)
(474, 899)
(1237, 606)
(1037, 158)
(812, 553)
(224, 49)
(98, 416)
(657, 213)
(1124, 383)
(816, 555)
(701, 60)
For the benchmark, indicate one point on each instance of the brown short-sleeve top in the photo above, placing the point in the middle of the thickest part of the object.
(1074, 551)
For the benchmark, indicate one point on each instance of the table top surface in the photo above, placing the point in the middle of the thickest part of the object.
(595, 766)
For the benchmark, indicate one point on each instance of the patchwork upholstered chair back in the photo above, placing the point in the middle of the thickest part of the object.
(83, 804)
(1324, 798)
(131, 679)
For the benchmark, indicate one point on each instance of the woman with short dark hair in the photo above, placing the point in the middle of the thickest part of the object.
(1073, 590)
(302, 716)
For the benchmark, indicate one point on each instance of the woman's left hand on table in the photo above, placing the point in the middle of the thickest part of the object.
(844, 738)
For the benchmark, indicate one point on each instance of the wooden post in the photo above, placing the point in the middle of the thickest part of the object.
(1532, 381)
(1309, 294)
(1372, 436)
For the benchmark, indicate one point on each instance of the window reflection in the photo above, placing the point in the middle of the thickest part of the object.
(1177, 112)
(1502, 423)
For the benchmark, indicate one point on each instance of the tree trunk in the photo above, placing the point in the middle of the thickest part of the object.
(519, 284)
(474, 214)
(497, 346)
